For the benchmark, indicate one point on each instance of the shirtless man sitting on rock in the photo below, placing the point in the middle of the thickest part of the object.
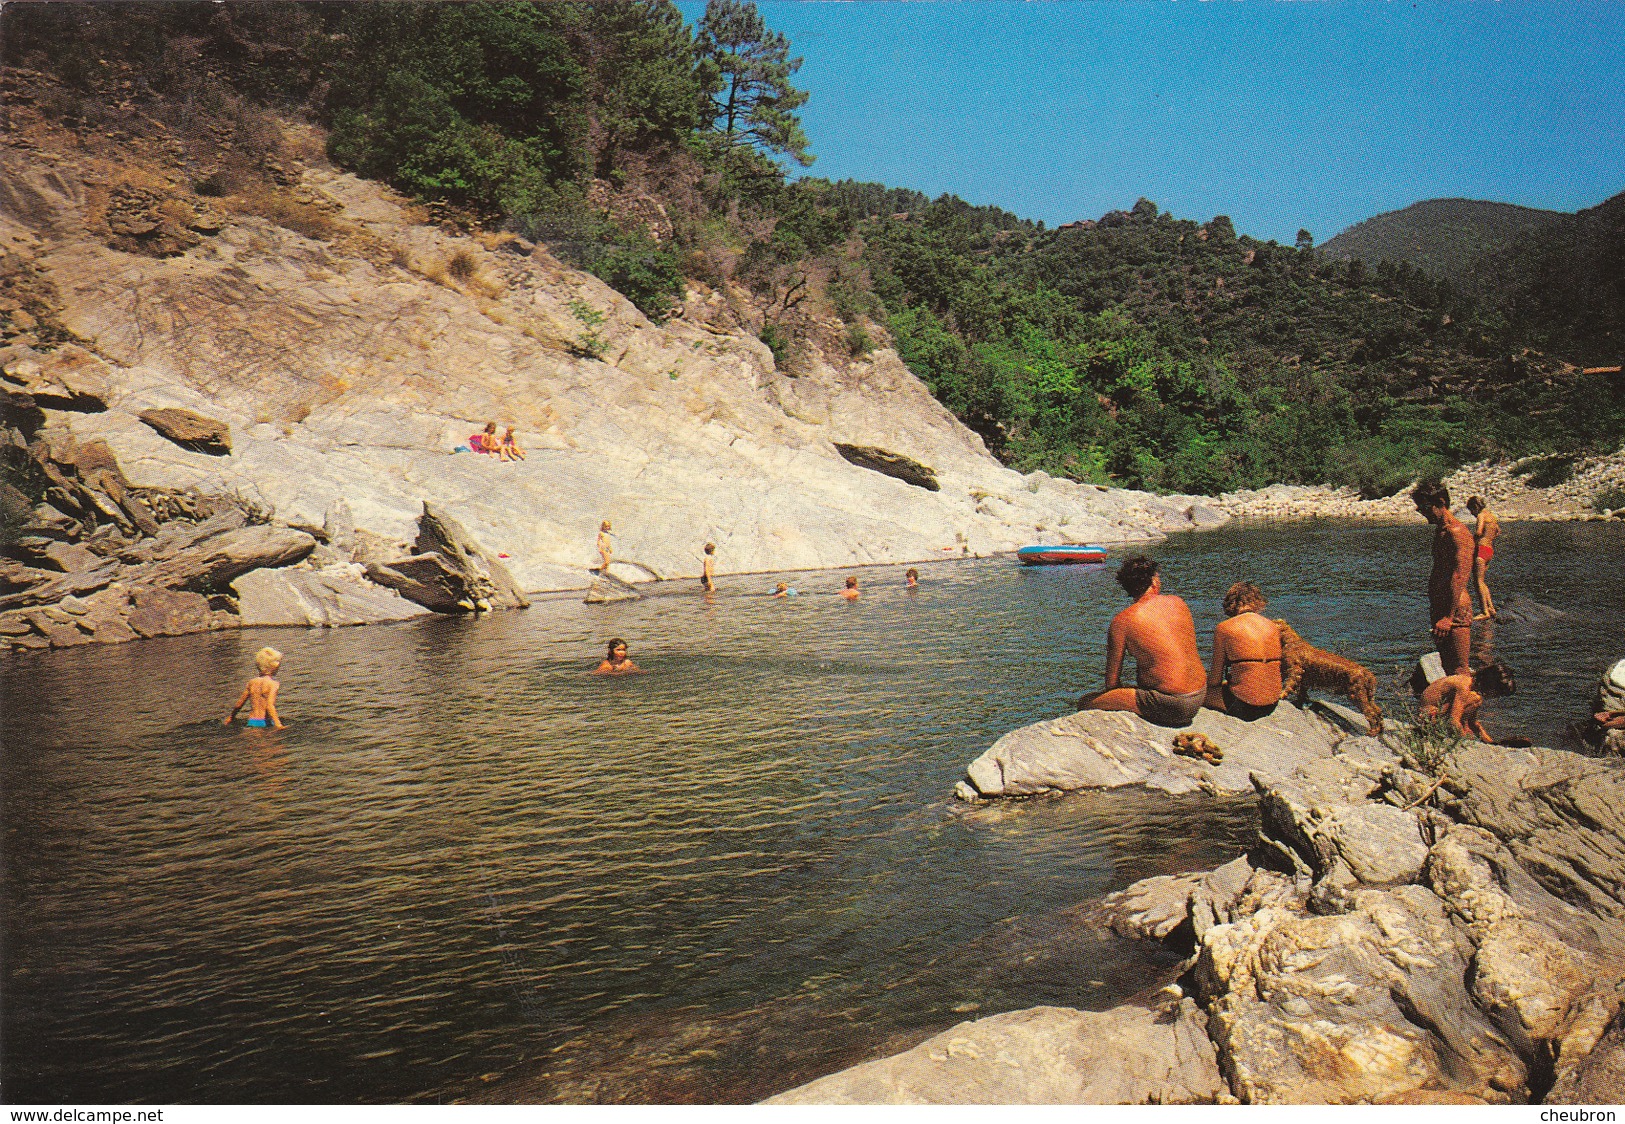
(1450, 606)
(1157, 630)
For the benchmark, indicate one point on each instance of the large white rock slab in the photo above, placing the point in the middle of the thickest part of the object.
(1109, 749)
(332, 596)
(1043, 1055)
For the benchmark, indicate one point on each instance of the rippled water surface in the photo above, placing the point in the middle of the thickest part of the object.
(469, 871)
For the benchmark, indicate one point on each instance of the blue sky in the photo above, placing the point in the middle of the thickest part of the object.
(1280, 114)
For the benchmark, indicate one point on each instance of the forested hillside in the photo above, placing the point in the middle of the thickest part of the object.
(1139, 348)
(1441, 237)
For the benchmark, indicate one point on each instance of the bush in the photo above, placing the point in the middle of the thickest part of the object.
(590, 344)
(1609, 499)
(858, 342)
(647, 274)
(777, 342)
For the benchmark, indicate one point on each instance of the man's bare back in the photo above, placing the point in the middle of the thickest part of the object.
(1159, 632)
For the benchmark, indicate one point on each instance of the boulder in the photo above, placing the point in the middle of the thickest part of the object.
(1521, 610)
(179, 534)
(1377, 843)
(332, 596)
(1561, 814)
(167, 612)
(427, 579)
(1045, 1055)
(190, 431)
(895, 465)
(1352, 1007)
(485, 577)
(603, 592)
(1108, 749)
(450, 573)
(215, 562)
(78, 583)
(70, 557)
(65, 378)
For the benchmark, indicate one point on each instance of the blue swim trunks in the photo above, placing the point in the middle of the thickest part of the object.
(259, 723)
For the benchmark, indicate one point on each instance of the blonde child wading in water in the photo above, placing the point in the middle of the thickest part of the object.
(708, 568)
(261, 691)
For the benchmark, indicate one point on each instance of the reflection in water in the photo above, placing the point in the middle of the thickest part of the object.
(467, 869)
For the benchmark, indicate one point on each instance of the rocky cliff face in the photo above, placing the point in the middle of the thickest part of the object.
(332, 356)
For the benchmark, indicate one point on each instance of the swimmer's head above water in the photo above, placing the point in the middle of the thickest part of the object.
(268, 660)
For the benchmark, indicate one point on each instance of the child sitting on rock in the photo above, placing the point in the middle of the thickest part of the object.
(261, 691)
(509, 451)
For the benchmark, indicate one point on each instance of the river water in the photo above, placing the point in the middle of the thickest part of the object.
(468, 871)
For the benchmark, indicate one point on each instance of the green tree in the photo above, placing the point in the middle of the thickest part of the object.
(747, 70)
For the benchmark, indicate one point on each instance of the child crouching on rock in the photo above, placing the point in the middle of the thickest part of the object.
(261, 691)
(1458, 697)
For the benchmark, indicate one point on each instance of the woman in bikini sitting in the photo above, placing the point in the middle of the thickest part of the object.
(1245, 680)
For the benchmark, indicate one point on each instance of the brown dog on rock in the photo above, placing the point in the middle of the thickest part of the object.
(1306, 668)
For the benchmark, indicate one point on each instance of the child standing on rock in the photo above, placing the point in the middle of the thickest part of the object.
(261, 691)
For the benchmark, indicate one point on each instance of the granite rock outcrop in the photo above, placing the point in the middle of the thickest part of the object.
(1390, 938)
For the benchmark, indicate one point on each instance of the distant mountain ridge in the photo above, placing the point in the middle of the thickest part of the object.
(1441, 237)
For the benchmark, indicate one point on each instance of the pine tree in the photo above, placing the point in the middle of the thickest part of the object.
(747, 70)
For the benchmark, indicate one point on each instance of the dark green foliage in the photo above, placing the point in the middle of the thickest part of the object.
(777, 342)
(648, 275)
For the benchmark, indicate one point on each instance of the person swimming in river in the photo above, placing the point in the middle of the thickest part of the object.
(261, 693)
(850, 593)
(911, 578)
(1245, 679)
(783, 590)
(616, 661)
(707, 568)
(1159, 632)
(1458, 697)
(1486, 530)
(606, 548)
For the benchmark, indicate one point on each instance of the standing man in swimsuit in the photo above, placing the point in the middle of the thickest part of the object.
(1485, 532)
(1450, 606)
(1245, 680)
(1158, 631)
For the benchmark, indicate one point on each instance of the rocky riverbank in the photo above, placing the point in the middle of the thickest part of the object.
(1395, 936)
(313, 352)
(1592, 488)
(99, 560)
